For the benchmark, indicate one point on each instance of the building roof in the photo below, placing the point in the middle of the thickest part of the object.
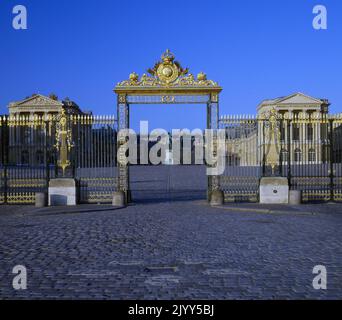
(297, 98)
(41, 102)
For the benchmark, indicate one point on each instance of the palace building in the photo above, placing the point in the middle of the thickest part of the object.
(293, 136)
(301, 139)
(27, 143)
(41, 105)
(295, 104)
(299, 135)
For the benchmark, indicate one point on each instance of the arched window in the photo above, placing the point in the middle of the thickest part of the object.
(295, 132)
(298, 155)
(312, 155)
(310, 132)
(284, 155)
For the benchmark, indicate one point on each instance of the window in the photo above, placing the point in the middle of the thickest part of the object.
(324, 131)
(298, 155)
(282, 133)
(295, 132)
(309, 132)
(230, 161)
(312, 155)
(284, 155)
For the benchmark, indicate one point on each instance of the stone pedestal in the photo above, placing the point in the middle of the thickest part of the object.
(40, 199)
(217, 198)
(274, 190)
(295, 197)
(62, 192)
(118, 199)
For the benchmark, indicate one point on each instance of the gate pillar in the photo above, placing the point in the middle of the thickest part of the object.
(123, 123)
(213, 124)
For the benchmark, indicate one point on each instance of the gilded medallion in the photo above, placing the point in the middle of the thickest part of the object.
(167, 72)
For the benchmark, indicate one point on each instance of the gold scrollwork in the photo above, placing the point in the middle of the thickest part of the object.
(167, 99)
(63, 141)
(214, 97)
(167, 73)
(122, 98)
(272, 137)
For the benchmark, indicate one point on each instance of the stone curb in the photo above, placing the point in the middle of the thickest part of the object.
(66, 210)
(265, 211)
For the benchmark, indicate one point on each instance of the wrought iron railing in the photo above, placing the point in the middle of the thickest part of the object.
(305, 148)
(35, 149)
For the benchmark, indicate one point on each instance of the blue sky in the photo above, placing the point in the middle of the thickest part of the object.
(254, 49)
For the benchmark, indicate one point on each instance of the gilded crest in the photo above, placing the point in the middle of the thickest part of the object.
(167, 73)
(167, 70)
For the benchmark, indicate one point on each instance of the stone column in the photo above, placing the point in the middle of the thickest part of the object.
(31, 129)
(290, 152)
(285, 127)
(318, 143)
(304, 141)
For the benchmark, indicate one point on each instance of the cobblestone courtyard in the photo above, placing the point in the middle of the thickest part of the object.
(169, 250)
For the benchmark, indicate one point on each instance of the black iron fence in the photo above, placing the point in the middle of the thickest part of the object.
(34, 150)
(95, 153)
(307, 148)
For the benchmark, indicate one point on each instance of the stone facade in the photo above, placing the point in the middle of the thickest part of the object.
(26, 140)
(307, 132)
(41, 105)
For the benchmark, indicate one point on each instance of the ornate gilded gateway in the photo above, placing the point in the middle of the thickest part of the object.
(166, 83)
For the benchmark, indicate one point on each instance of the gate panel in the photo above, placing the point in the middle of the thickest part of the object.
(95, 158)
(309, 156)
(26, 168)
(23, 183)
(337, 157)
(240, 181)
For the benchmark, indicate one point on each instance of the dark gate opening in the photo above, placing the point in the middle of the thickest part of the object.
(168, 181)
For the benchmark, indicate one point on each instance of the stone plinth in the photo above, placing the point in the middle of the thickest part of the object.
(40, 199)
(295, 197)
(217, 198)
(119, 199)
(274, 190)
(62, 192)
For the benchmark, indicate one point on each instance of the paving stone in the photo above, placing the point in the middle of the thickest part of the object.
(170, 250)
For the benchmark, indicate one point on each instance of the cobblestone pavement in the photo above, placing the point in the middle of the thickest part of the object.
(169, 250)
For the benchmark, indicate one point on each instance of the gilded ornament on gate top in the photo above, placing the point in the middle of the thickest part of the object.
(167, 73)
